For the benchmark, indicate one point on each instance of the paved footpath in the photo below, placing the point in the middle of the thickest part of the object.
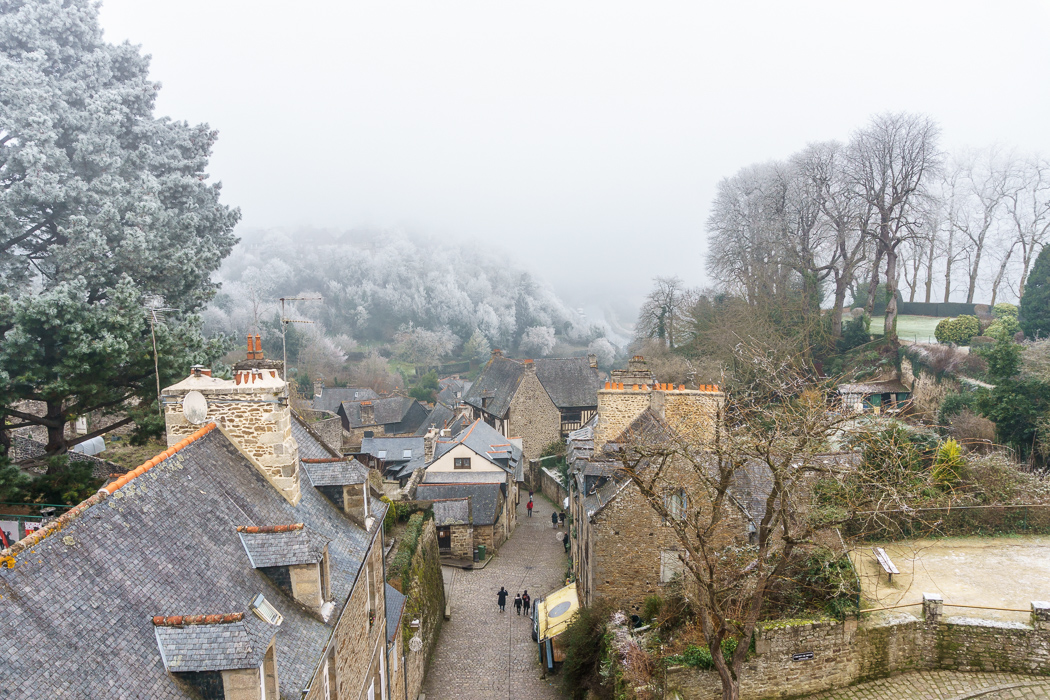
(483, 654)
(945, 685)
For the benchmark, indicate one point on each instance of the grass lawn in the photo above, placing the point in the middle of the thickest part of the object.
(914, 328)
(131, 456)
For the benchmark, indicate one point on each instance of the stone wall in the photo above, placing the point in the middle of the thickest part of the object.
(691, 412)
(626, 538)
(462, 541)
(551, 486)
(844, 653)
(357, 643)
(426, 603)
(23, 448)
(325, 425)
(532, 415)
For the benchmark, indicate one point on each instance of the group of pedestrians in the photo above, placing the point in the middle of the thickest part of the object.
(522, 601)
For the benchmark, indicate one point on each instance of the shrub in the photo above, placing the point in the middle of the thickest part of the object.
(697, 656)
(401, 565)
(1004, 328)
(957, 330)
(391, 514)
(949, 465)
(586, 644)
(1005, 310)
(67, 483)
(651, 608)
(855, 332)
(981, 341)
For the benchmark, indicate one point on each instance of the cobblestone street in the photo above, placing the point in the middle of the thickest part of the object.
(485, 655)
(945, 685)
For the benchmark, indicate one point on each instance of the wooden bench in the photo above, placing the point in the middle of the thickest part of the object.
(884, 561)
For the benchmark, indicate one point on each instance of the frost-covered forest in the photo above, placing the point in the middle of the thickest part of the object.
(430, 298)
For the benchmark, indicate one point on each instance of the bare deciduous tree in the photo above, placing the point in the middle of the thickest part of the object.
(891, 162)
(662, 313)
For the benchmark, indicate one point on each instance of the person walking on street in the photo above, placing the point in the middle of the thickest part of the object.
(525, 600)
(529, 506)
(517, 604)
(501, 597)
(561, 519)
(554, 520)
(566, 542)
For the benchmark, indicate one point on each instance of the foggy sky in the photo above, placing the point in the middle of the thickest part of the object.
(586, 138)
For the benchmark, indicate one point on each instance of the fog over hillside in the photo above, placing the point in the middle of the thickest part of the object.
(377, 283)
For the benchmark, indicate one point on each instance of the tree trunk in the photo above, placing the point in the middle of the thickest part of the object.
(891, 294)
(836, 311)
(56, 430)
(973, 274)
(929, 272)
(999, 277)
(869, 307)
(914, 278)
(948, 267)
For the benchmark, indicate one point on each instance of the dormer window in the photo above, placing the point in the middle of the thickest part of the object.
(231, 656)
(381, 454)
(344, 483)
(295, 558)
(406, 454)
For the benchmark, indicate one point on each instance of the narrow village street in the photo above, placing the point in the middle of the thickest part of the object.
(483, 654)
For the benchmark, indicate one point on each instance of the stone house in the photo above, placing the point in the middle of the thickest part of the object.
(481, 465)
(329, 398)
(396, 415)
(622, 551)
(541, 401)
(394, 458)
(244, 561)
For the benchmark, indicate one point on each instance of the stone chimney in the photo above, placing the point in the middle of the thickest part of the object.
(318, 387)
(428, 445)
(637, 372)
(496, 352)
(530, 366)
(693, 414)
(252, 411)
(592, 360)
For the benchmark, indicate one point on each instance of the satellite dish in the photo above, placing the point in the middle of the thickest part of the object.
(195, 407)
(415, 644)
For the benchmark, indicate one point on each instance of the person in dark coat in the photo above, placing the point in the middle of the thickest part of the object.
(525, 601)
(554, 520)
(561, 518)
(517, 604)
(529, 506)
(501, 597)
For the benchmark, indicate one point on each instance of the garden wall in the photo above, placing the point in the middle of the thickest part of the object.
(551, 486)
(798, 659)
(426, 603)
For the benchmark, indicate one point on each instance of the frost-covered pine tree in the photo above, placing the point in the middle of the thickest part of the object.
(103, 208)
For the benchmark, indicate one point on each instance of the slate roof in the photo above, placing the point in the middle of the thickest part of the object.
(450, 387)
(452, 511)
(393, 447)
(76, 609)
(891, 386)
(303, 546)
(332, 396)
(484, 498)
(310, 446)
(395, 608)
(384, 411)
(341, 473)
(215, 647)
(570, 382)
(486, 442)
(466, 476)
(442, 418)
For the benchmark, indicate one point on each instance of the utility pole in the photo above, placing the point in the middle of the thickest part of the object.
(156, 315)
(284, 322)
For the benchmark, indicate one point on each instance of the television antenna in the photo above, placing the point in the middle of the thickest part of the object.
(284, 324)
(156, 316)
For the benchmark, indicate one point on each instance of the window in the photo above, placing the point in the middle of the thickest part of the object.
(381, 454)
(671, 565)
(406, 454)
(326, 682)
(262, 607)
(461, 463)
(676, 503)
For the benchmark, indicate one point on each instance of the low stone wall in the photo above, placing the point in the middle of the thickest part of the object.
(793, 660)
(426, 603)
(551, 486)
(23, 448)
